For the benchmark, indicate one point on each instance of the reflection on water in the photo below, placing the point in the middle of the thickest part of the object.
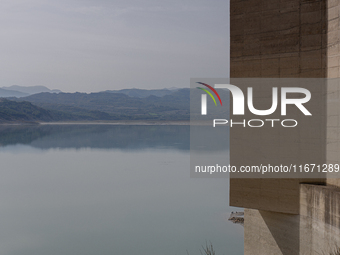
(101, 189)
(97, 136)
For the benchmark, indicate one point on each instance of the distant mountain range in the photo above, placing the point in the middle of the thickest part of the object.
(142, 93)
(127, 104)
(21, 91)
(11, 93)
(32, 89)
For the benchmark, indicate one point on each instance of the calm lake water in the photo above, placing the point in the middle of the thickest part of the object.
(105, 189)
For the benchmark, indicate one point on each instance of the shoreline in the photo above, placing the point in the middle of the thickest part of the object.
(116, 122)
(119, 122)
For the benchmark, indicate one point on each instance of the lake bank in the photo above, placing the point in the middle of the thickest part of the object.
(103, 122)
(119, 122)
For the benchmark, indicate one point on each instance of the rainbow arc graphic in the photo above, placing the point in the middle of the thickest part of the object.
(209, 93)
(204, 97)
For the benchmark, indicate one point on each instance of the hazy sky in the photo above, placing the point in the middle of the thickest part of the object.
(93, 45)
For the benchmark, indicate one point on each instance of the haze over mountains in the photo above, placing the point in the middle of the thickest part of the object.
(32, 89)
(21, 91)
(23, 104)
(141, 93)
(11, 93)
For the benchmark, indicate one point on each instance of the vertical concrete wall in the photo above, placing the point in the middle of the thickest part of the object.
(276, 146)
(280, 38)
(289, 38)
(332, 33)
(333, 93)
(277, 39)
(333, 129)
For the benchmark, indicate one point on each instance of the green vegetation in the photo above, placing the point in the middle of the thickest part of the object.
(23, 112)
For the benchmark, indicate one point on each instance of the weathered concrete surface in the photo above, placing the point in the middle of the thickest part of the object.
(283, 38)
(289, 38)
(278, 195)
(319, 219)
(316, 230)
(280, 39)
(333, 129)
(271, 233)
(265, 146)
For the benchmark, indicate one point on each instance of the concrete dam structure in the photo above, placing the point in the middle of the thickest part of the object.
(288, 39)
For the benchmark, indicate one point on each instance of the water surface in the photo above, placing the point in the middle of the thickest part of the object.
(104, 189)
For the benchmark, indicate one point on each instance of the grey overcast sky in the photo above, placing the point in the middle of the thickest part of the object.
(94, 45)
